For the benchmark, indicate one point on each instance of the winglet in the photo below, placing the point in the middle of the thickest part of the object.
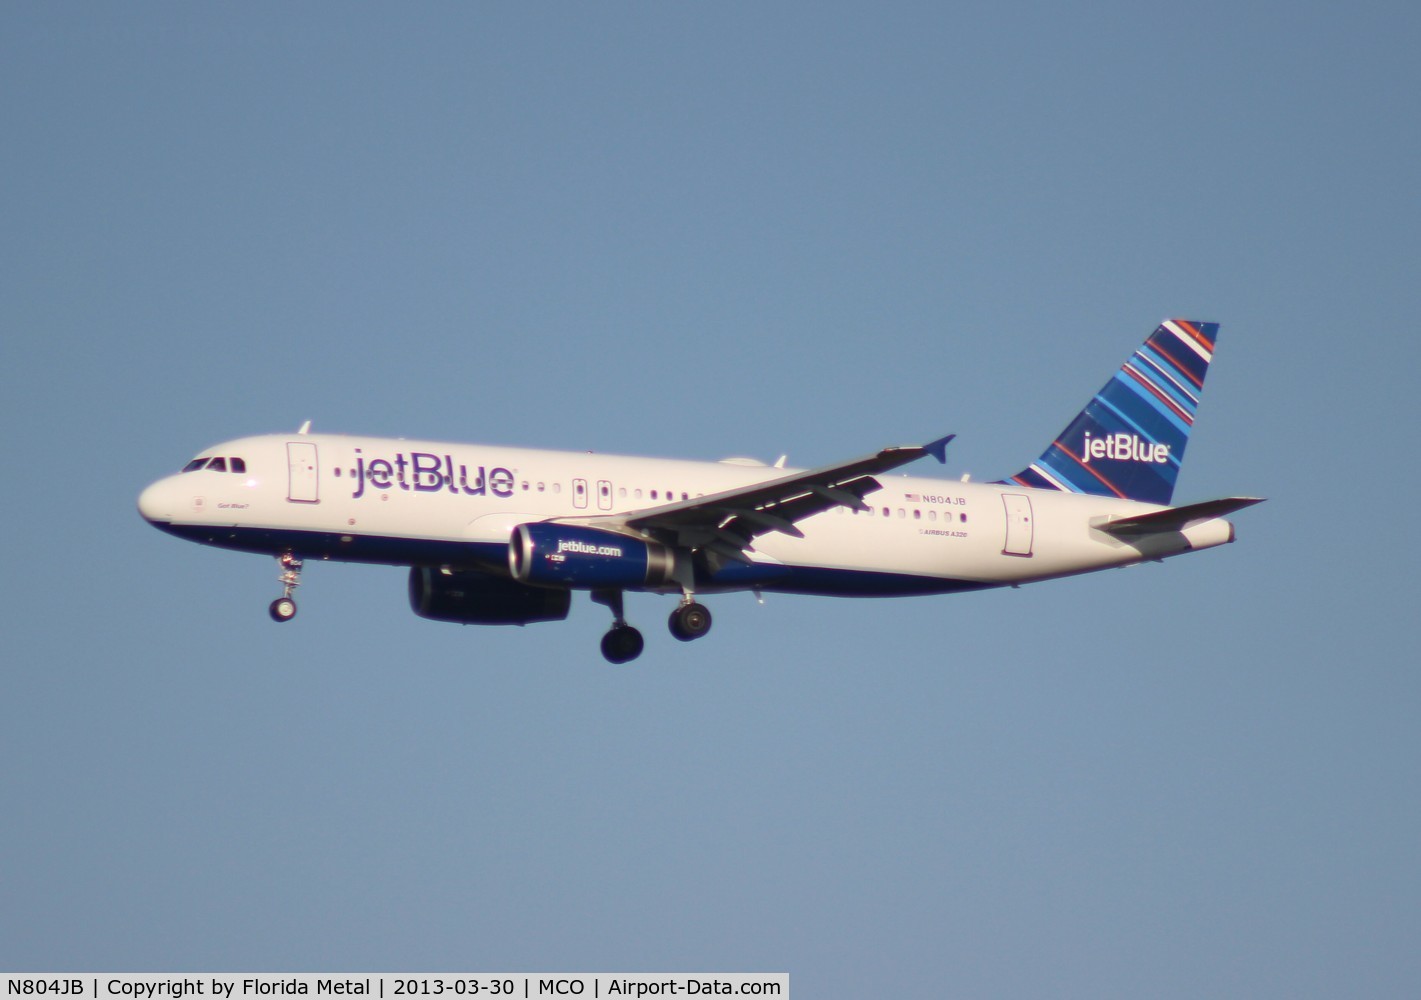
(938, 449)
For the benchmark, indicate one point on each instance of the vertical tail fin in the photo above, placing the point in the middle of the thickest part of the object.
(1129, 440)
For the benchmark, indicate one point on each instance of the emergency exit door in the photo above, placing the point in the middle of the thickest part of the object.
(1019, 528)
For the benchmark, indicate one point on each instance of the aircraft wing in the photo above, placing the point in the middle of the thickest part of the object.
(727, 523)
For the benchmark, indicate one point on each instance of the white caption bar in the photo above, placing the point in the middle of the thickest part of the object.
(391, 986)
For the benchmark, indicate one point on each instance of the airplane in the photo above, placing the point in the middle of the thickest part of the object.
(503, 536)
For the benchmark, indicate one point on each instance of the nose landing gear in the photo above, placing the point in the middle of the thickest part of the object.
(283, 609)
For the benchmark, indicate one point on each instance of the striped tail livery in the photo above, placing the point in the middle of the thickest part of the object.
(1129, 440)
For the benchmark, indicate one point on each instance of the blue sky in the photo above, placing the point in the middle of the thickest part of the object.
(698, 232)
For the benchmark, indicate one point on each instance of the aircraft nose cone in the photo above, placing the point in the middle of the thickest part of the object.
(156, 502)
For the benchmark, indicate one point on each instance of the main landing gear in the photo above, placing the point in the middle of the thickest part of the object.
(690, 620)
(624, 643)
(283, 609)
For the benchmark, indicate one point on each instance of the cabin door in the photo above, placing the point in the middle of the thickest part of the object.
(304, 483)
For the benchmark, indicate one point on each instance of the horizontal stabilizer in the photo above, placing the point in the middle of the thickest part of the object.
(1177, 518)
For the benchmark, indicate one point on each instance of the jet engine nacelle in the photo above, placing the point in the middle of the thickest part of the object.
(473, 598)
(573, 556)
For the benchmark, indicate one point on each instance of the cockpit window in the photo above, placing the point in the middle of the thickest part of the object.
(219, 464)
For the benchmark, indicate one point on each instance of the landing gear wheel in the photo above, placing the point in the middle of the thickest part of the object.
(622, 644)
(690, 621)
(283, 609)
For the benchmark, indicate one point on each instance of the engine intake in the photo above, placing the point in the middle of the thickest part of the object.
(573, 556)
(472, 598)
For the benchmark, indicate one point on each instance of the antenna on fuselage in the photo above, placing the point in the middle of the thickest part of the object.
(305, 428)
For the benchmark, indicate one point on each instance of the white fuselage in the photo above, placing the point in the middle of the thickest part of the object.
(435, 504)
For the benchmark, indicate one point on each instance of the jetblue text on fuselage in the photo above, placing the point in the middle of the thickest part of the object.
(423, 472)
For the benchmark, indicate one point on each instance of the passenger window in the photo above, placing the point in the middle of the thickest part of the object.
(218, 465)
